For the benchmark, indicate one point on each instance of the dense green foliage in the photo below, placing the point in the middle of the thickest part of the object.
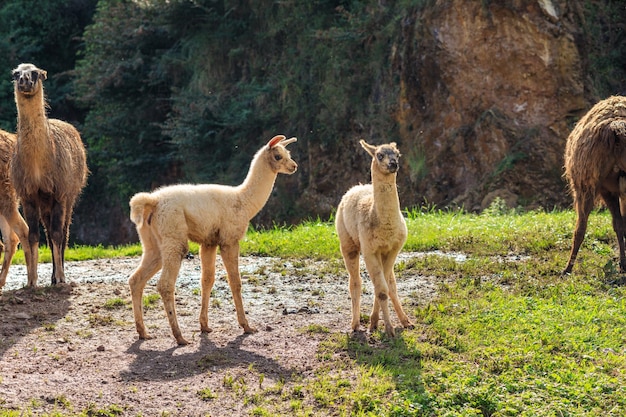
(202, 82)
(122, 82)
(48, 34)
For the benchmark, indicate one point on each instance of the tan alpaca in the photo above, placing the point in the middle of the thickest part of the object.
(12, 225)
(211, 215)
(369, 221)
(595, 166)
(48, 170)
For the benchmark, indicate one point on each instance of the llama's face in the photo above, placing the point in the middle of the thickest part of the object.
(386, 157)
(279, 157)
(27, 78)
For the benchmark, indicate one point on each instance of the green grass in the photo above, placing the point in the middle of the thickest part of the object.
(507, 335)
(429, 229)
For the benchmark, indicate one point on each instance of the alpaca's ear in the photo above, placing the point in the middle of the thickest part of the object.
(274, 141)
(43, 74)
(369, 148)
(286, 142)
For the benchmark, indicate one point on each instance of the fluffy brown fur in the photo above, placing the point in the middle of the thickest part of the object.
(12, 225)
(595, 160)
(49, 168)
(211, 215)
(369, 221)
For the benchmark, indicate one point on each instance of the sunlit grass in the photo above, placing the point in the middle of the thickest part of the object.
(530, 233)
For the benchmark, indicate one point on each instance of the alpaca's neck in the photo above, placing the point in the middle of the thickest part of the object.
(32, 126)
(386, 200)
(257, 187)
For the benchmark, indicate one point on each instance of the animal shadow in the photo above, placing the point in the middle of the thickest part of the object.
(150, 364)
(24, 310)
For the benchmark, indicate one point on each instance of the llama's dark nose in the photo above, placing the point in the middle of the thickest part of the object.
(393, 166)
(24, 83)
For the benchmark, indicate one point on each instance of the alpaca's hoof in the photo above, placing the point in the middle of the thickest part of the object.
(181, 341)
(144, 336)
(205, 329)
(249, 330)
(408, 325)
(390, 332)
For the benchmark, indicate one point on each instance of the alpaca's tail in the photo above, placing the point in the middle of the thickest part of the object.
(142, 206)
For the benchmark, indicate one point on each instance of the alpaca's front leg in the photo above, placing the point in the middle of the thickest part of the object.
(31, 215)
(230, 256)
(207, 258)
(56, 230)
(381, 294)
(393, 293)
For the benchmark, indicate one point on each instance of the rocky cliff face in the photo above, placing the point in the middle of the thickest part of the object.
(488, 93)
(497, 87)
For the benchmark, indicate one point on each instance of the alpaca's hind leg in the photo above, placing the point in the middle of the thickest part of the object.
(350, 253)
(381, 293)
(167, 287)
(150, 265)
(613, 204)
(230, 256)
(207, 258)
(583, 204)
(390, 277)
(10, 246)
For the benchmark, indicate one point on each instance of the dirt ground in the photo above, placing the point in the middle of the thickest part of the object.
(62, 349)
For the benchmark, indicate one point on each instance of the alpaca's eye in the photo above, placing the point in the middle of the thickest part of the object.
(16, 75)
(278, 157)
(380, 156)
(34, 75)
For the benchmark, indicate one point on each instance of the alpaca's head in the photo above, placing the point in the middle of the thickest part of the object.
(385, 157)
(279, 157)
(28, 79)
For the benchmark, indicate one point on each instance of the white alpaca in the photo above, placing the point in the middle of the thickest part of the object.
(211, 215)
(369, 221)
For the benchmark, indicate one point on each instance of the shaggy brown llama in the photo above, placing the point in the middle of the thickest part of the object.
(209, 214)
(369, 221)
(12, 225)
(595, 164)
(49, 168)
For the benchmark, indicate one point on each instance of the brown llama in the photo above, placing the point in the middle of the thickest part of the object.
(49, 169)
(209, 214)
(595, 164)
(369, 221)
(12, 225)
